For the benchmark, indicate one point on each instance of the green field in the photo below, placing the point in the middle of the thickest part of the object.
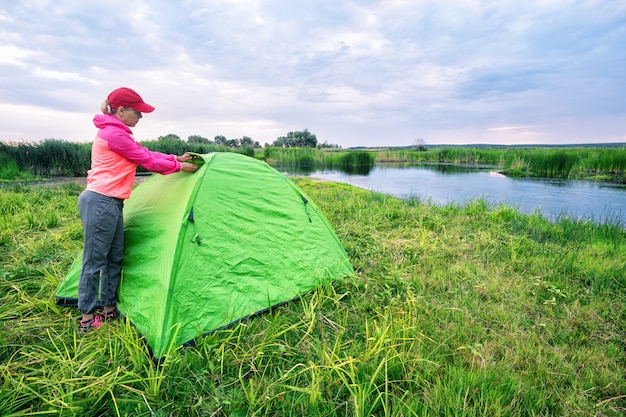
(453, 311)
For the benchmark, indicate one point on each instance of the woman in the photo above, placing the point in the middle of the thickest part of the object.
(114, 158)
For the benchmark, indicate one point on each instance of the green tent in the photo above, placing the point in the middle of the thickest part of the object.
(208, 249)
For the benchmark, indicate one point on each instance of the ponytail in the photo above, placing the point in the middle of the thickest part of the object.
(106, 108)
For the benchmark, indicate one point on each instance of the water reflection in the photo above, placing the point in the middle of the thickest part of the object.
(450, 169)
(443, 184)
(357, 170)
(309, 170)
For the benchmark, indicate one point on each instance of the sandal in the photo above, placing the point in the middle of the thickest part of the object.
(85, 326)
(110, 315)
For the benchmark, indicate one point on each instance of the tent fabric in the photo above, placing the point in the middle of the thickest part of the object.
(205, 250)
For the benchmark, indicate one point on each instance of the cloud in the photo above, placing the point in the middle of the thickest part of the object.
(352, 72)
(496, 129)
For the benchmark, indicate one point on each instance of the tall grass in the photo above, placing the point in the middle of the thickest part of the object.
(464, 310)
(609, 163)
(54, 157)
(350, 161)
(573, 163)
(59, 158)
(9, 169)
(50, 158)
(301, 156)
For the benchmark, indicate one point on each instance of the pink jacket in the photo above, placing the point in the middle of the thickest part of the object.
(114, 158)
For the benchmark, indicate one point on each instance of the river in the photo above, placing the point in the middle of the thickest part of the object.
(445, 184)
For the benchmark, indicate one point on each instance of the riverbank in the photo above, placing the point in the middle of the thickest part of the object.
(456, 310)
(579, 163)
(444, 184)
(588, 163)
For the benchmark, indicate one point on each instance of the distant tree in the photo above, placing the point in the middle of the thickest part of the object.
(198, 139)
(326, 145)
(308, 140)
(246, 141)
(170, 136)
(420, 145)
(304, 139)
(220, 140)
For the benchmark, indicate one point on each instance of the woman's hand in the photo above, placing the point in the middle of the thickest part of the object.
(183, 158)
(187, 167)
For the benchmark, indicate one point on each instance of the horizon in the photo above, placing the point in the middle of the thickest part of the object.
(365, 147)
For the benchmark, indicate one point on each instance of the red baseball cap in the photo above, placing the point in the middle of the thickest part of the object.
(126, 97)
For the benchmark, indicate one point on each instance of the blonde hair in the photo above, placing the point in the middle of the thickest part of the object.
(106, 108)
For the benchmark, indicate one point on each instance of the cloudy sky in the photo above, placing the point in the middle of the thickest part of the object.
(354, 73)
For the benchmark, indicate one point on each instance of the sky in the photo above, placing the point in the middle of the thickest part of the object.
(354, 73)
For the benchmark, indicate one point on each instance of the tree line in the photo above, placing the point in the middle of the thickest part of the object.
(297, 139)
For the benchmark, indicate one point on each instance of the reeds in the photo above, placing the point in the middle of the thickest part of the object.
(312, 158)
(572, 163)
(60, 158)
(304, 157)
(50, 158)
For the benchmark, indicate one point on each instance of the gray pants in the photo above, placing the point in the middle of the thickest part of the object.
(103, 227)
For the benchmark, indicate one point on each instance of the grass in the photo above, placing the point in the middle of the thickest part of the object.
(464, 310)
